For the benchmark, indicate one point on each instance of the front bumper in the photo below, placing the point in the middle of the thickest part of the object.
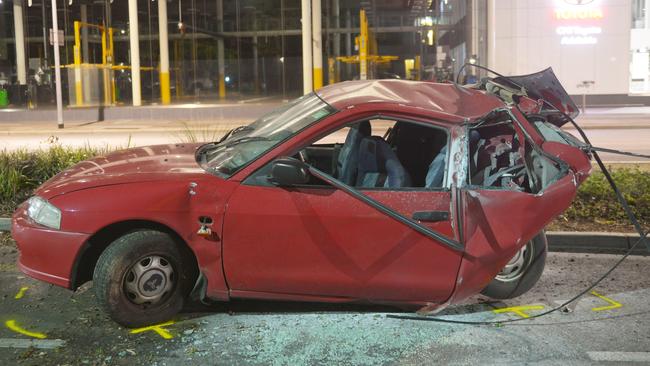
(45, 254)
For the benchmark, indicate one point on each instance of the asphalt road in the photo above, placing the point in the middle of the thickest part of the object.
(46, 325)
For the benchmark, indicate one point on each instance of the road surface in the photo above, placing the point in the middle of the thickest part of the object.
(43, 325)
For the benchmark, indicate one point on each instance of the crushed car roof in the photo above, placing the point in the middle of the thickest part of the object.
(451, 102)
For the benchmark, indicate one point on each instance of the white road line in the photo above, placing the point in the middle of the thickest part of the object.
(36, 343)
(620, 356)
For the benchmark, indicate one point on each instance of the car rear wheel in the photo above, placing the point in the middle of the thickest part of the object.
(143, 278)
(522, 272)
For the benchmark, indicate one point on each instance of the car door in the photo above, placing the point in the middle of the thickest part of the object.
(319, 241)
(502, 215)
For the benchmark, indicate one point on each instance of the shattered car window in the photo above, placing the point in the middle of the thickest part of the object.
(500, 157)
(550, 132)
(247, 143)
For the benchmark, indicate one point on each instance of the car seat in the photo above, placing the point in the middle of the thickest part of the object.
(379, 165)
(416, 147)
(436, 173)
(348, 157)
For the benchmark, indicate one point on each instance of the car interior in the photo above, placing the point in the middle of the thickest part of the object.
(499, 159)
(382, 154)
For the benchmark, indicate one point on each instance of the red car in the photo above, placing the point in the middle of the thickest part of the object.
(385, 191)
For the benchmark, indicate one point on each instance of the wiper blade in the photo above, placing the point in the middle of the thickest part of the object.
(234, 131)
(247, 139)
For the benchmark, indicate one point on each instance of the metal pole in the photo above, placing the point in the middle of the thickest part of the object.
(165, 90)
(57, 66)
(348, 42)
(492, 34)
(45, 35)
(85, 51)
(21, 69)
(363, 45)
(307, 81)
(134, 41)
(282, 60)
(336, 10)
(84, 33)
(78, 92)
(220, 52)
(316, 19)
(256, 66)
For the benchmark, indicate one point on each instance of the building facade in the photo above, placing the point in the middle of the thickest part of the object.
(215, 50)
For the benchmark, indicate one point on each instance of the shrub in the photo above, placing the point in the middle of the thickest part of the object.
(597, 203)
(22, 171)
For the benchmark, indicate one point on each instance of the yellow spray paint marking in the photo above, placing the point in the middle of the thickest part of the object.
(11, 324)
(8, 267)
(21, 293)
(519, 310)
(158, 328)
(613, 303)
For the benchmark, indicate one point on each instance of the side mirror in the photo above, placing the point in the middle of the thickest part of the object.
(288, 172)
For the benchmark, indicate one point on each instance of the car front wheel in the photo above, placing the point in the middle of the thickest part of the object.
(522, 271)
(143, 278)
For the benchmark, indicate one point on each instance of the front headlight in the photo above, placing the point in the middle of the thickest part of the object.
(44, 213)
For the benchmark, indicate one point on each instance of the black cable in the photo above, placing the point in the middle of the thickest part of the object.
(559, 307)
(619, 196)
(488, 70)
(602, 149)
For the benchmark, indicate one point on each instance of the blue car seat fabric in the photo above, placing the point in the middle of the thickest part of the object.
(436, 172)
(379, 165)
(348, 158)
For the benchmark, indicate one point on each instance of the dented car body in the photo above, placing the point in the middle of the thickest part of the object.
(384, 191)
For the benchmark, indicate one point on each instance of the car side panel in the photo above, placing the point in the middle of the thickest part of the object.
(497, 223)
(167, 203)
(322, 242)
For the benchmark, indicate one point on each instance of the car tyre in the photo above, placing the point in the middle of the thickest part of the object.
(143, 278)
(522, 272)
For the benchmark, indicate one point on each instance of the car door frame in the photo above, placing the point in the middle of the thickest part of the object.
(486, 250)
(454, 173)
(339, 120)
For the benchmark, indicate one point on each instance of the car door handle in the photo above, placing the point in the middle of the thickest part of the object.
(431, 216)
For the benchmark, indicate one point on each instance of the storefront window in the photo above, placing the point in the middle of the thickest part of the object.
(640, 48)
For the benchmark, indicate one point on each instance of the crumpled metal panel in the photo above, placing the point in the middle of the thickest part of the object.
(451, 100)
(497, 223)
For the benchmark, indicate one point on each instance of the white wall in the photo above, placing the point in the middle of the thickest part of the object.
(526, 41)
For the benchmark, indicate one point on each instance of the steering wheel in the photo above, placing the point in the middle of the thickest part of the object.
(509, 172)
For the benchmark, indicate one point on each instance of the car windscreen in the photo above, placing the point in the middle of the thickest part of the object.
(245, 144)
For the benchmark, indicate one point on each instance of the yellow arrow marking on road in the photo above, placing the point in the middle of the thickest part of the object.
(613, 303)
(519, 310)
(11, 324)
(158, 328)
(21, 293)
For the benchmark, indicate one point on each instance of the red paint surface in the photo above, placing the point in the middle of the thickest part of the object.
(307, 243)
(324, 242)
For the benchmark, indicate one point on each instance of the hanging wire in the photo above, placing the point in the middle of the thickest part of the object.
(631, 216)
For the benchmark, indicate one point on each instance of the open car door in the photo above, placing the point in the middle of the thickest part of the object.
(515, 189)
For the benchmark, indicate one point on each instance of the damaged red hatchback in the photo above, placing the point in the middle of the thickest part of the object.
(384, 191)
